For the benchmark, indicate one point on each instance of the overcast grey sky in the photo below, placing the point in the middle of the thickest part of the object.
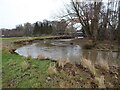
(14, 12)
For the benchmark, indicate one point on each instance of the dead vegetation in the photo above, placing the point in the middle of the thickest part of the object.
(25, 65)
(42, 57)
(100, 81)
(52, 68)
(62, 63)
(29, 57)
(88, 64)
(103, 64)
(86, 77)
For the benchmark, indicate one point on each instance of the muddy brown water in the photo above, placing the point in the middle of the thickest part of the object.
(66, 49)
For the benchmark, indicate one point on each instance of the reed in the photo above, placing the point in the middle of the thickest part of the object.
(61, 62)
(88, 64)
(52, 69)
(103, 64)
(100, 81)
(41, 57)
(24, 65)
(28, 57)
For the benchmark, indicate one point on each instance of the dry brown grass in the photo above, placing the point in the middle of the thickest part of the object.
(64, 84)
(100, 81)
(61, 62)
(103, 64)
(88, 64)
(52, 69)
(28, 57)
(24, 65)
(41, 57)
(7, 48)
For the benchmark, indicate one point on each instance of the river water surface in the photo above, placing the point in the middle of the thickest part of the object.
(64, 49)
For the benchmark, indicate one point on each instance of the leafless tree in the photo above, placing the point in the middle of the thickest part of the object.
(99, 20)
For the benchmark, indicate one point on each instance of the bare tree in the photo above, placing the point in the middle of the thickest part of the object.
(99, 20)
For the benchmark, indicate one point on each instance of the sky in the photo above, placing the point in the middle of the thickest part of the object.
(15, 12)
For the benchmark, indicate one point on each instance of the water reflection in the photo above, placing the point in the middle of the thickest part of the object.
(64, 50)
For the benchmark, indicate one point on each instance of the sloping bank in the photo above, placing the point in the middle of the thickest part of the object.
(21, 72)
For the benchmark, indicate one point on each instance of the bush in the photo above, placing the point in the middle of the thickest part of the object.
(88, 46)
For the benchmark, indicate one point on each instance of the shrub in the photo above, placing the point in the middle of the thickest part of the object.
(88, 46)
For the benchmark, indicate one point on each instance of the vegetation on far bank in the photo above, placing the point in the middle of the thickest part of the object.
(12, 39)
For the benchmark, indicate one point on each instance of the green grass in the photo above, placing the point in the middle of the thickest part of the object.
(21, 73)
(16, 76)
(12, 39)
(17, 72)
(7, 40)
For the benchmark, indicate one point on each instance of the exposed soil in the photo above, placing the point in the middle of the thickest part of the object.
(81, 77)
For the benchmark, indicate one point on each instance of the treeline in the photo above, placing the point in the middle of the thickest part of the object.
(42, 28)
(39, 28)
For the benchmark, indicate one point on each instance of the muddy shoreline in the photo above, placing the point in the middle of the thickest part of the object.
(105, 47)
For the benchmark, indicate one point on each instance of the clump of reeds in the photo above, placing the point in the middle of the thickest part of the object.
(52, 69)
(24, 65)
(7, 48)
(41, 57)
(28, 57)
(61, 62)
(100, 81)
(88, 64)
(103, 64)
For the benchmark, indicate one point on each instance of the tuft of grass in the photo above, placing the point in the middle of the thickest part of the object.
(24, 65)
(103, 64)
(61, 62)
(88, 64)
(29, 57)
(41, 57)
(100, 81)
(52, 69)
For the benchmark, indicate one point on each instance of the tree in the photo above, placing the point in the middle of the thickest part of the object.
(28, 29)
(36, 30)
(98, 19)
(118, 35)
(87, 14)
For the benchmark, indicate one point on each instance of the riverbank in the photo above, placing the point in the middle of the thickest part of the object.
(21, 72)
(99, 45)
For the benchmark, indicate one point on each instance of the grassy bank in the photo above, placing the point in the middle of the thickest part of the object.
(12, 39)
(102, 46)
(21, 72)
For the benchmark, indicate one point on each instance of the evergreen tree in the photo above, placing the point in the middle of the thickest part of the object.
(42, 28)
(36, 30)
